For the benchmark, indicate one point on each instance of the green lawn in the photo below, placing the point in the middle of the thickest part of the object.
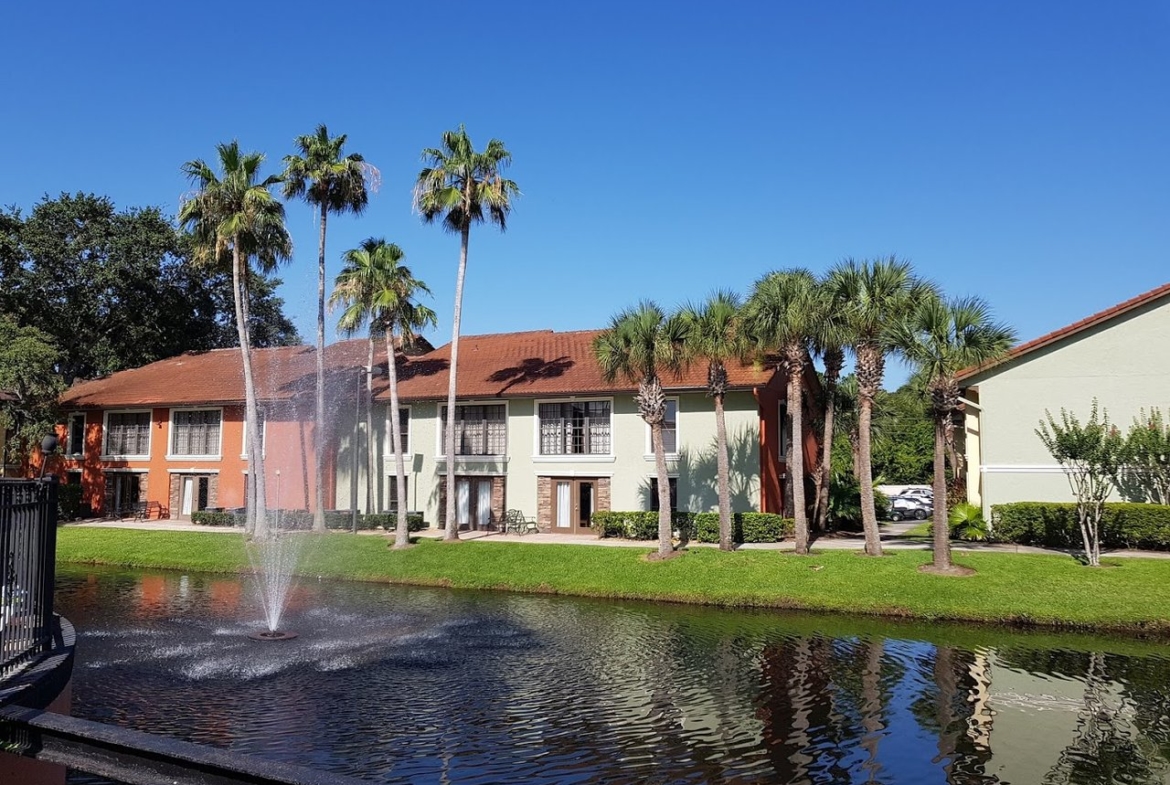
(1128, 594)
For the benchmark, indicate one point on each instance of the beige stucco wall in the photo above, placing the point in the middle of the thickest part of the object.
(629, 469)
(1125, 364)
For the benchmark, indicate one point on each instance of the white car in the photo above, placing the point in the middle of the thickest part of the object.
(909, 507)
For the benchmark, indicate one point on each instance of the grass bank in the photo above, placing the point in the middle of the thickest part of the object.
(1126, 595)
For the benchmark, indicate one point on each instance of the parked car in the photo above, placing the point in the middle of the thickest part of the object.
(926, 494)
(910, 507)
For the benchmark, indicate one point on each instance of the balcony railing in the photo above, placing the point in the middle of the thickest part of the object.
(28, 544)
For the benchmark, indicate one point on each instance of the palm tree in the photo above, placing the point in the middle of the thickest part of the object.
(640, 344)
(712, 334)
(461, 186)
(235, 212)
(873, 297)
(782, 314)
(829, 339)
(334, 183)
(377, 287)
(941, 339)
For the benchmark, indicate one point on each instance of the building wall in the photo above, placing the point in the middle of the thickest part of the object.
(288, 462)
(1124, 364)
(627, 472)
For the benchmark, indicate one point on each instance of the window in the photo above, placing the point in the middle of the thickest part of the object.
(76, 445)
(479, 430)
(403, 429)
(654, 507)
(669, 430)
(392, 493)
(127, 433)
(195, 431)
(575, 428)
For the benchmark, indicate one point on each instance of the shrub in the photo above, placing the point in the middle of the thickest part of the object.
(68, 502)
(1054, 525)
(389, 521)
(700, 526)
(218, 518)
(966, 522)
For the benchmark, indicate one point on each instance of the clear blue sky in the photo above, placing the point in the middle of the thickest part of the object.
(1017, 151)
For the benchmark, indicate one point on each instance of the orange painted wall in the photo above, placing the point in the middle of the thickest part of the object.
(772, 463)
(288, 461)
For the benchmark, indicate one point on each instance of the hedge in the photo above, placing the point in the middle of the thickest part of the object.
(302, 520)
(700, 526)
(1054, 525)
(68, 502)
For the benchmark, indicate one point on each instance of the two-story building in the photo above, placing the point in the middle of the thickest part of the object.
(539, 430)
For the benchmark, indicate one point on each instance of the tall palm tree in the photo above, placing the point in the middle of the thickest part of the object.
(712, 334)
(874, 296)
(941, 338)
(378, 287)
(235, 212)
(783, 313)
(829, 339)
(333, 183)
(640, 344)
(461, 186)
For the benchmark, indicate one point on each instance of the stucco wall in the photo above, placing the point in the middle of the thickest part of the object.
(1124, 364)
(630, 468)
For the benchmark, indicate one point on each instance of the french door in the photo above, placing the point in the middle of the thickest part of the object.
(473, 502)
(574, 501)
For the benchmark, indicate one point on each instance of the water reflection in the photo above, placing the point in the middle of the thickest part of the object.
(421, 686)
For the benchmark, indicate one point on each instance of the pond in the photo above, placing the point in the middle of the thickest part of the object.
(397, 684)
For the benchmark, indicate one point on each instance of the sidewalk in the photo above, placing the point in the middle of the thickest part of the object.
(893, 537)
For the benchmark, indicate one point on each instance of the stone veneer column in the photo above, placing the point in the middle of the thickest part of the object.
(603, 484)
(173, 500)
(499, 500)
(544, 503)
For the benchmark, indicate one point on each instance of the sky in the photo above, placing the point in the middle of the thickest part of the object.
(1014, 151)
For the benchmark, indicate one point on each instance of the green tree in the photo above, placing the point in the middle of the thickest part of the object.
(268, 325)
(783, 314)
(376, 288)
(1090, 455)
(873, 297)
(111, 287)
(234, 212)
(333, 183)
(942, 338)
(639, 345)
(829, 339)
(461, 186)
(29, 386)
(713, 334)
(1145, 461)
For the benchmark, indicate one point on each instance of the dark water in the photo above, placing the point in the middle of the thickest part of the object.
(432, 686)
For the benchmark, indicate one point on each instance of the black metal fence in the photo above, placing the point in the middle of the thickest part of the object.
(28, 547)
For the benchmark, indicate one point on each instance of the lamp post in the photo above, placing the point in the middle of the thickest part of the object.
(48, 445)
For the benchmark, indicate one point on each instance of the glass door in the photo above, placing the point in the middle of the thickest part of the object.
(574, 504)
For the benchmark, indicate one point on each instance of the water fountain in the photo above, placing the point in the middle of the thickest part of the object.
(274, 559)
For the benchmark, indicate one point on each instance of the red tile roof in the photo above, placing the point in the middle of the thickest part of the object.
(1096, 319)
(217, 376)
(537, 363)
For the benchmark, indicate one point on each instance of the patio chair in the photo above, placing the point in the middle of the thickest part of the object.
(518, 522)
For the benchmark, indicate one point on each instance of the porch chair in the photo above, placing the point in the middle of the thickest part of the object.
(516, 521)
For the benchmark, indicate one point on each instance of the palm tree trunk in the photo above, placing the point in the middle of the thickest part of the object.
(833, 360)
(402, 530)
(452, 532)
(665, 524)
(319, 422)
(256, 520)
(942, 534)
(723, 472)
(370, 428)
(873, 542)
(796, 466)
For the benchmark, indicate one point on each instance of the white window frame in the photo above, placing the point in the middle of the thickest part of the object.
(75, 450)
(441, 448)
(649, 454)
(106, 433)
(216, 456)
(388, 442)
(244, 438)
(539, 457)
